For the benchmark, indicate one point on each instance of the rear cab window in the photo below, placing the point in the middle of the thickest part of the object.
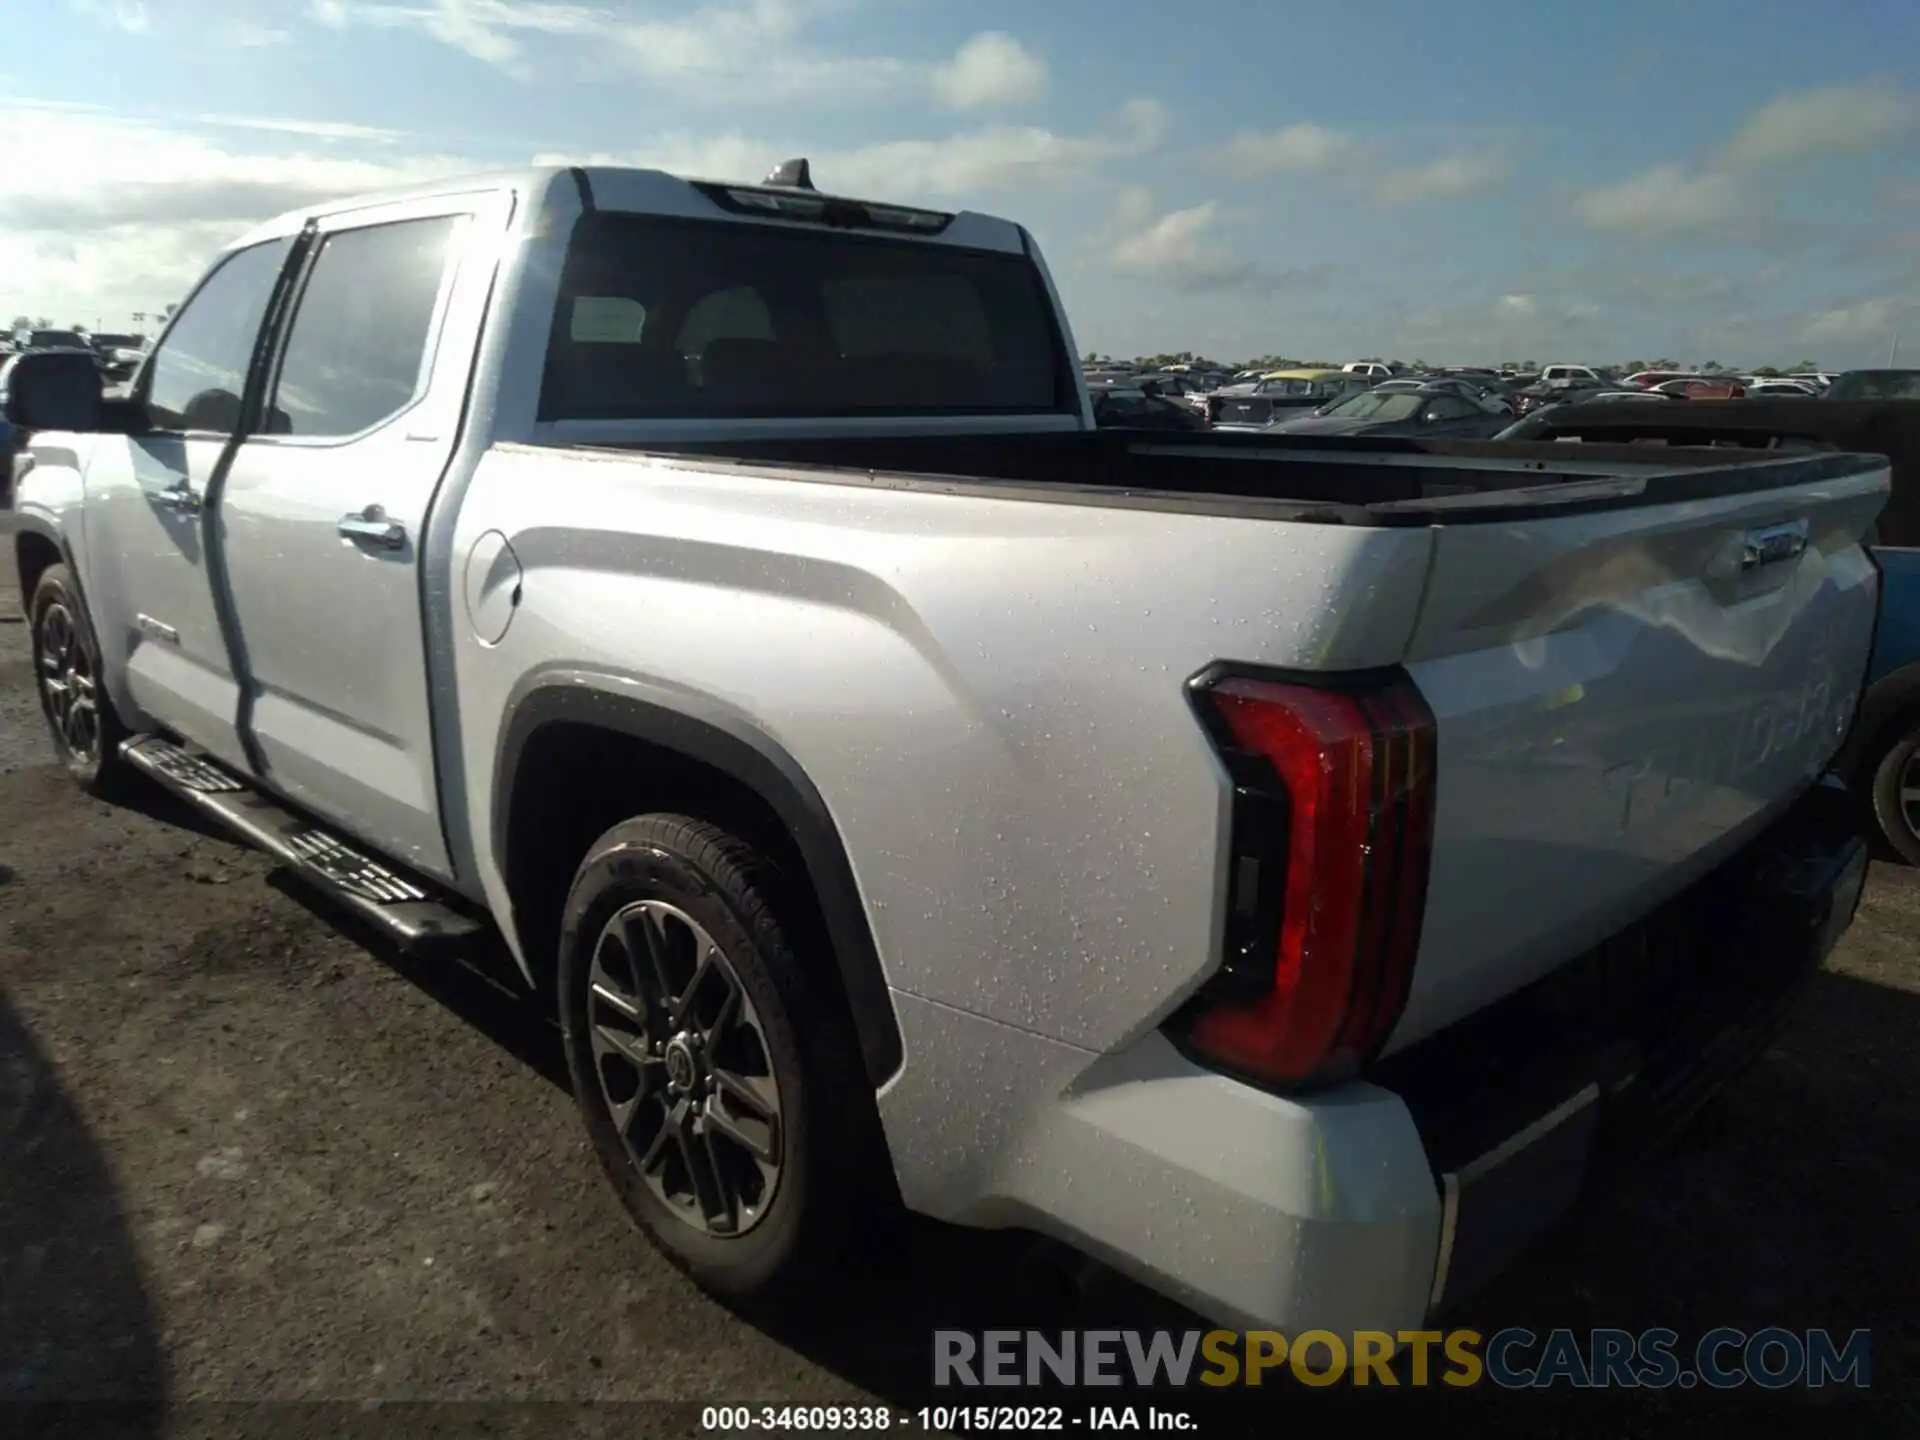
(668, 318)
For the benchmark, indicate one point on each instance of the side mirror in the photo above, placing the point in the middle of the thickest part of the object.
(54, 390)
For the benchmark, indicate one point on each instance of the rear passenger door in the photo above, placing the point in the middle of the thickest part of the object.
(326, 506)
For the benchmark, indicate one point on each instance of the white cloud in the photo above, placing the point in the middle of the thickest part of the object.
(991, 70)
(1132, 207)
(951, 167)
(246, 35)
(1826, 121)
(753, 53)
(1522, 304)
(1301, 148)
(488, 30)
(1176, 239)
(1446, 178)
(1182, 248)
(128, 15)
(1663, 200)
(721, 53)
(106, 213)
(1868, 320)
(315, 129)
(1362, 163)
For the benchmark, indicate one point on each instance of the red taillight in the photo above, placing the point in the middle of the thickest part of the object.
(1353, 770)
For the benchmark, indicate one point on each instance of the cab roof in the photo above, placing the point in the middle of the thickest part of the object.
(632, 190)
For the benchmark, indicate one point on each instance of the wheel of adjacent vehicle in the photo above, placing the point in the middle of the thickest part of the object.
(66, 664)
(719, 1077)
(1896, 795)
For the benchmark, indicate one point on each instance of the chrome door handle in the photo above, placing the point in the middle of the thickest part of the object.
(372, 526)
(177, 497)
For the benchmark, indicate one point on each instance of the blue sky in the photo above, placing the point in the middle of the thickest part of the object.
(1486, 179)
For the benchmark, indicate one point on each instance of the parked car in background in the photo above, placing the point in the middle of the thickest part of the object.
(120, 354)
(1389, 409)
(1483, 390)
(1374, 369)
(1761, 389)
(1178, 386)
(1125, 407)
(1647, 379)
(1537, 423)
(1528, 398)
(55, 340)
(1278, 394)
(1703, 387)
(1567, 376)
(1875, 385)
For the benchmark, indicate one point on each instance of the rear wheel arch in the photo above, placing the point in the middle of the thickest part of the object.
(574, 759)
(1888, 710)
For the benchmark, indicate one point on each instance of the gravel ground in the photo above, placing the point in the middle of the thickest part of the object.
(245, 1158)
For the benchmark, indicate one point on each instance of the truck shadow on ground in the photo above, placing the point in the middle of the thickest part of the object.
(76, 1322)
(1789, 1201)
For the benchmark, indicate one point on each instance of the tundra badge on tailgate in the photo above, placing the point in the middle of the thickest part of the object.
(1773, 543)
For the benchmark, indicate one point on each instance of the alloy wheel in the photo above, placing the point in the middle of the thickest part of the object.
(684, 1068)
(1910, 793)
(67, 683)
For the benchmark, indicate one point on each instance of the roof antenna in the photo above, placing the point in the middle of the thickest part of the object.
(791, 175)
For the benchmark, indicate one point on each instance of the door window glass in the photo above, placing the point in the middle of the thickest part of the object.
(359, 339)
(199, 372)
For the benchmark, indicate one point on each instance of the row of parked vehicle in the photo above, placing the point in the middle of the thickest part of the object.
(1329, 401)
(118, 355)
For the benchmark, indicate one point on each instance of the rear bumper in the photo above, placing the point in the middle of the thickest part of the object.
(1522, 1106)
(1374, 1204)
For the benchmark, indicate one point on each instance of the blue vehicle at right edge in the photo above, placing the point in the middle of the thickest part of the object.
(1883, 758)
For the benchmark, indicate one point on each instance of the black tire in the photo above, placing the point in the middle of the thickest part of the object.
(1889, 814)
(89, 750)
(827, 1125)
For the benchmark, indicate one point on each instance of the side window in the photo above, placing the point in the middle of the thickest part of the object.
(196, 377)
(607, 320)
(359, 338)
(737, 314)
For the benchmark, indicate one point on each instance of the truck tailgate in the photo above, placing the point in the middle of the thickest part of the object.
(1625, 692)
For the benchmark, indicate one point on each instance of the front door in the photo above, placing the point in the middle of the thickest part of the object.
(151, 589)
(324, 515)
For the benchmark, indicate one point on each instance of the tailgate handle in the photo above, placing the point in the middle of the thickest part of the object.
(1772, 544)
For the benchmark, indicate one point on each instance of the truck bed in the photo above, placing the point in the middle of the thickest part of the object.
(1350, 481)
(1868, 427)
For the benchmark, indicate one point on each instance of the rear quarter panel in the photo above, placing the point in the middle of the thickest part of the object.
(987, 693)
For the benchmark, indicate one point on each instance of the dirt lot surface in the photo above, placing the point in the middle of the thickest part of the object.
(245, 1159)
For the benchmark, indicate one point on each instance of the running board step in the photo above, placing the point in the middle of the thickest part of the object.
(401, 908)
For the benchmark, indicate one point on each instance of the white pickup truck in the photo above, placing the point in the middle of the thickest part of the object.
(1281, 868)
